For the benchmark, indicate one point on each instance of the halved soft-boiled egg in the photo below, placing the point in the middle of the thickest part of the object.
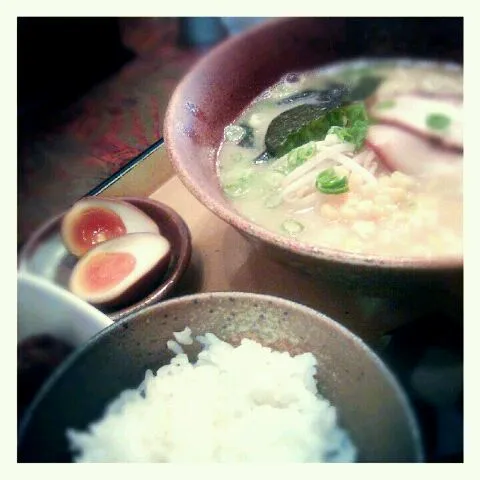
(94, 220)
(121, 270)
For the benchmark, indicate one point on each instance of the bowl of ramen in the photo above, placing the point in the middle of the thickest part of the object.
(222, 377)
(343, 158)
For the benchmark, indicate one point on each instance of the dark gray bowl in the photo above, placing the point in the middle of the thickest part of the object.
(370, 403)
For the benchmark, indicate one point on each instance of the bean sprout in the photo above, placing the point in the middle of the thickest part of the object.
(298, 187)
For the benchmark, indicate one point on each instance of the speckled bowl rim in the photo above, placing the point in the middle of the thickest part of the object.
(254, 297)
(184, 255)
(231, 216)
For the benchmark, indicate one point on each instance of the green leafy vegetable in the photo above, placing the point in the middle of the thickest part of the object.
(355, 125)
(306, 123)
(355, 112)
(355, 134)
(330, 183)
(438, 121)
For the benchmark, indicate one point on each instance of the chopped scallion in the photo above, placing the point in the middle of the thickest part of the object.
(330, 183)
(438, 121)
(292, 227)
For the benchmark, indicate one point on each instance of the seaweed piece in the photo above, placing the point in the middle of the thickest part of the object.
(364, 87)
(295, 127)
(336, 94)
(329, 98)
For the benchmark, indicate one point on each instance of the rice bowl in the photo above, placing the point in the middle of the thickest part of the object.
(238, 404)
(370, 405)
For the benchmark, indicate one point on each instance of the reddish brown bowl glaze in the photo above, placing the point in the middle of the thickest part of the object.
(222, 84)
(45, 255)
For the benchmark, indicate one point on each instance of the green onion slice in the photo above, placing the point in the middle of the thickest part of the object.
(292, 227)
(330, 183)
(438, 121)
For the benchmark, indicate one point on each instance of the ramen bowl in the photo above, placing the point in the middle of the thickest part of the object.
(370, 404)
(227, 79)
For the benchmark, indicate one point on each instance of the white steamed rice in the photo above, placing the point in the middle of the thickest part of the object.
(235, 404)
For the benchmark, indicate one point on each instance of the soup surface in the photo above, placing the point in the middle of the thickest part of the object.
(362, 156)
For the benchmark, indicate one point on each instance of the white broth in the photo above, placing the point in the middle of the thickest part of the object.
(379, 171)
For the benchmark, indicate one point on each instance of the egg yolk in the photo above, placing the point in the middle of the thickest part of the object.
(96, 225)
(107, 269)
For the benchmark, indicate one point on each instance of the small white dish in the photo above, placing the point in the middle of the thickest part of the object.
(44, 308)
